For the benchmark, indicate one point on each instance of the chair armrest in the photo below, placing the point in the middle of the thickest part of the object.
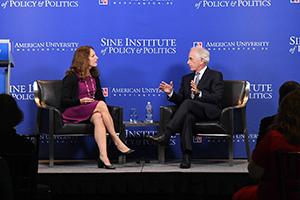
(166, 113)
(49, 119)
(233, 118)
(116, 113)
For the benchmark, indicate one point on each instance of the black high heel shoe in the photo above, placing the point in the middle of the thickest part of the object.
(128, 152)
(102, 165)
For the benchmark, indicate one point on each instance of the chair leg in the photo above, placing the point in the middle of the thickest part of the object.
(247, 144)
(122, 136)
(51, 150)
(122, 159)
(161, 153)
(231, 150)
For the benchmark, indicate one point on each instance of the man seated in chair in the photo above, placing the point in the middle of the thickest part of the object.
(198, 99)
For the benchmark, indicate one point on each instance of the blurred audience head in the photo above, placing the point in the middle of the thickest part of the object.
(286, 88)
(288, 118)
(10, 113)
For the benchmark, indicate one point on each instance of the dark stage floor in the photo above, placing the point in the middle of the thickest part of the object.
(206, 179)
(198, 166)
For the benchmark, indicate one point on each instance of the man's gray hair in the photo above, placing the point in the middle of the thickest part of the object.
(202, 53)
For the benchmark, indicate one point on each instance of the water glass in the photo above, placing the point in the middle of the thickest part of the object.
(133, 116)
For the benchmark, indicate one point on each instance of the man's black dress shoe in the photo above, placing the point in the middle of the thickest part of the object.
(161, 139)
(186, 161)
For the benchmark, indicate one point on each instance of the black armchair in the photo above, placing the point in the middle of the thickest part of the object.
(47, 95)
(232, 119)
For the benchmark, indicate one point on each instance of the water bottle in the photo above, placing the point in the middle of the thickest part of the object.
(149, 114)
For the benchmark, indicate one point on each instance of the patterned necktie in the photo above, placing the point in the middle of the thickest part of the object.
(196, 80)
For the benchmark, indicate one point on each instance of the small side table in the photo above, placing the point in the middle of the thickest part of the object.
(161, 149)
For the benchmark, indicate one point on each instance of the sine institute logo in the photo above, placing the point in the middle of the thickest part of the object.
(46, 46)
(39, 4)
(22, 91)
(263, 91)
(233, 3)
(294, 44)
(233, 45)
(136, 2)
(138, 46)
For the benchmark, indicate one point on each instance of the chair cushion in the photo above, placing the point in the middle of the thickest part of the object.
(211, 127)
(69, 129)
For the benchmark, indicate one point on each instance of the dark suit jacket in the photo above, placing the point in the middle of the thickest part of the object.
(70, 91)
(264, 127)
(212, 87)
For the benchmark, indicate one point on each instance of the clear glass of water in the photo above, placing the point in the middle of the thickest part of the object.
(133, 115)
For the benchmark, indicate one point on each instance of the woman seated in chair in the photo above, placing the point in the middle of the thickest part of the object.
(83, 100)
(284, 136)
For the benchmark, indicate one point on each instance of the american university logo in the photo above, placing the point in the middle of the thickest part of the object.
(197, 44)
(135, 92)
(105, 91)
(103, 2)
(136, 2)
(59, 46)
(233, 45)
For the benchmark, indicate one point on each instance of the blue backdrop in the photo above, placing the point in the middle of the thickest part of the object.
(141, 42)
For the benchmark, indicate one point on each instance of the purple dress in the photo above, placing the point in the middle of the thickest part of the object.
(82, 112)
